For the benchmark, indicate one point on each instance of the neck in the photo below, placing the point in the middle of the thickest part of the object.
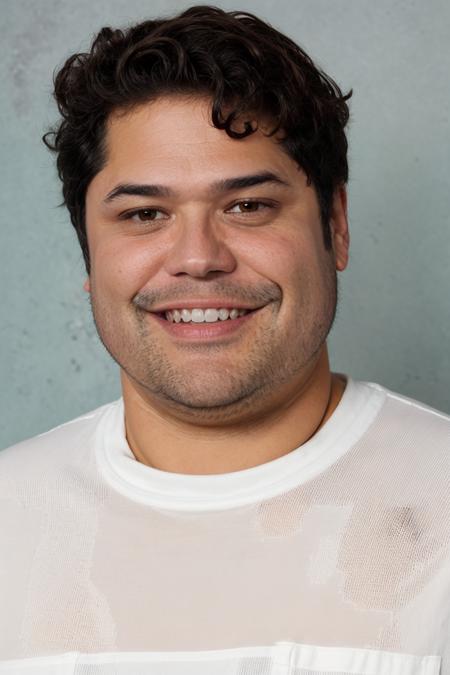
(161, 439)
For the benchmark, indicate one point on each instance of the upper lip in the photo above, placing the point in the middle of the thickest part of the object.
(211, 303)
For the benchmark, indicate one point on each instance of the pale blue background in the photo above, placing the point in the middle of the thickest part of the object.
(393, 323)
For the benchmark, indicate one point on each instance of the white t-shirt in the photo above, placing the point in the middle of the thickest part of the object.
(333, 559)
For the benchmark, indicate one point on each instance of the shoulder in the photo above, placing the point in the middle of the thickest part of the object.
(412, 430)
(53, 447)
(405, 409)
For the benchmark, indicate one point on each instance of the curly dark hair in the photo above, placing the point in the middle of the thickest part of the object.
(242, 63)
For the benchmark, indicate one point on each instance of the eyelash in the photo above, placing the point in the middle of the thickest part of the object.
(266, 205)
(129, 215)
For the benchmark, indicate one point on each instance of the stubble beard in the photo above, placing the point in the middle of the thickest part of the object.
(226, 392)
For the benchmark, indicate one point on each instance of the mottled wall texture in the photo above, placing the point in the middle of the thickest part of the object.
(393, 323)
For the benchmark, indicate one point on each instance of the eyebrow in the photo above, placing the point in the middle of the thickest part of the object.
(218, 187)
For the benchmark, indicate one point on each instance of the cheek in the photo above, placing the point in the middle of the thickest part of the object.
(124, 266)
(278, 257)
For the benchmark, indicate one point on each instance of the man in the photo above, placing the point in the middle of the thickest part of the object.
(241, 509)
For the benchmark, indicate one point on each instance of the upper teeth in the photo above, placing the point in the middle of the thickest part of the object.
(201, 315)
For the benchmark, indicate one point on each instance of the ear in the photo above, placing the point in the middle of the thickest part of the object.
(87, 285)
(340, 236)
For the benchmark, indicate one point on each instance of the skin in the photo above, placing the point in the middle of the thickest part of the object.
(212, 406)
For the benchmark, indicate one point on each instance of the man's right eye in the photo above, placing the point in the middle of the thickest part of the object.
(144, 215)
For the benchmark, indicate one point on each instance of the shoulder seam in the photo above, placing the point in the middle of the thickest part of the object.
(86, 416)
(416, 404)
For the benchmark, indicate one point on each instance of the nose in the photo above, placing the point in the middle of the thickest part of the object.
(199, 250)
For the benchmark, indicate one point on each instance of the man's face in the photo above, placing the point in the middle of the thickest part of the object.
(195, 237)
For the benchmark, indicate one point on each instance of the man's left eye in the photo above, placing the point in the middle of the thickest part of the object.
(248, 207)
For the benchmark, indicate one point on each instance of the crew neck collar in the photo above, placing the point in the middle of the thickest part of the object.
(357, 408)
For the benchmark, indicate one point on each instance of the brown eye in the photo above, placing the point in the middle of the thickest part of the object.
(249, 206)
(146, 214)
(142, 216)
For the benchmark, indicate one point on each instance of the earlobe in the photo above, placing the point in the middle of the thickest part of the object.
(87, 285)
(339, 229)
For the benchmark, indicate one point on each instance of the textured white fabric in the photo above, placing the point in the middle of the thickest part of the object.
(331, 559)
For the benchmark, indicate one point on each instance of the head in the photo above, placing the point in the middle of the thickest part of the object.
(248, 69)
(203, 160)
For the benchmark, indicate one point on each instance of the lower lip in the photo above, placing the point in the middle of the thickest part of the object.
(204, 331)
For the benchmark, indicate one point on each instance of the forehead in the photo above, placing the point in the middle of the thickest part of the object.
(175, 133)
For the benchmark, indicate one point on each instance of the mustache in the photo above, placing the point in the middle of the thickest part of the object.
(258, 295)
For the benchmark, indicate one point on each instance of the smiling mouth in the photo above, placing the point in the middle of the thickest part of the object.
(204, 325)
(199, 316)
